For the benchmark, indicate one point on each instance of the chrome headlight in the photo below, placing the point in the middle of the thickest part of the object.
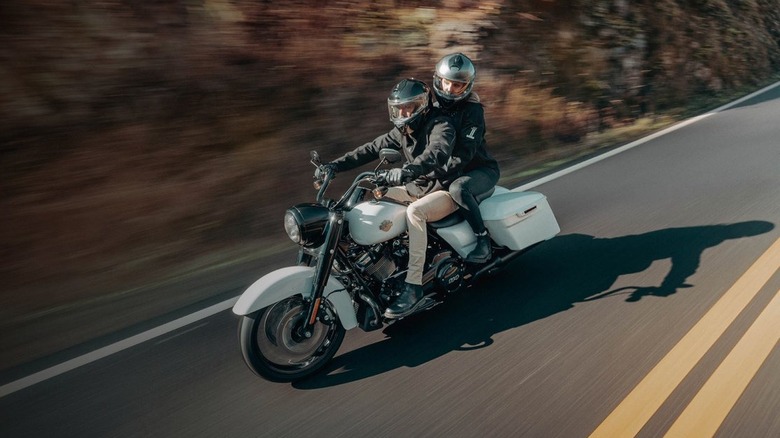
(305, 224)
(292, 228)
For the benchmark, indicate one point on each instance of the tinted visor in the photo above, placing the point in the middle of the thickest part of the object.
(402, 112)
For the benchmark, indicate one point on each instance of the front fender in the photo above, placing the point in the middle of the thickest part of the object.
(295, 280)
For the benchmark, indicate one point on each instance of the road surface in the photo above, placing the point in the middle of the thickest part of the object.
(654, 313)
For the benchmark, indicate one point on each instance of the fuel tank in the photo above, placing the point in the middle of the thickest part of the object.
(372, 222)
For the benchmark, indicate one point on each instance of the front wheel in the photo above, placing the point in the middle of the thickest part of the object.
(274, 347)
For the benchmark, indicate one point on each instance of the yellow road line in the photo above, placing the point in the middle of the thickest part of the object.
(709, 408)
(636, 409)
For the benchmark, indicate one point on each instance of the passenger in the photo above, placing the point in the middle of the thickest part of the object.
(453, 81)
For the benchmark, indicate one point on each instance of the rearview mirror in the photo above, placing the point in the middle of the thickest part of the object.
(390, 155)
(315, 158)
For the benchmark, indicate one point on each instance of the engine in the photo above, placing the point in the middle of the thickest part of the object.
(382, 269)
(446, 270)
(377, 262)
(385, 262)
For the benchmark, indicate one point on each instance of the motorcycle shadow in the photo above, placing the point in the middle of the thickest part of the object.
(551, 278)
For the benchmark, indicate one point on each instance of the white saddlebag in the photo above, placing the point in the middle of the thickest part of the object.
(518, 220)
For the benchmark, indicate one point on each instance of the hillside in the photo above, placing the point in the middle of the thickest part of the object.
(141, 141)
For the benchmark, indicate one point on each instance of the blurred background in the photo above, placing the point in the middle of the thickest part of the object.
(149, 148)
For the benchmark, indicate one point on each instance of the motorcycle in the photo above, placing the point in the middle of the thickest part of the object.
(352, 265)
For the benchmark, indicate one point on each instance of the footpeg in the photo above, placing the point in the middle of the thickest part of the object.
(426, 303)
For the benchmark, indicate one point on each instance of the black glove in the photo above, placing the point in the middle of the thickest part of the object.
(398, 176)
(325, 169)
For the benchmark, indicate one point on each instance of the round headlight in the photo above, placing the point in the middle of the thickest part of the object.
(305, 224)
(292, 228)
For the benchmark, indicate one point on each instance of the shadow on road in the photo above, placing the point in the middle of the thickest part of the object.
(550, 279)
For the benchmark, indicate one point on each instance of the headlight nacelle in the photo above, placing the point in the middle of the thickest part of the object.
(305, 224)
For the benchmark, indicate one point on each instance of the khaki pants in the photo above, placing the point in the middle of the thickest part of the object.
(429, 208)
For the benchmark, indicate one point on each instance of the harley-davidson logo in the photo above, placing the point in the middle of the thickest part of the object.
(386, 225)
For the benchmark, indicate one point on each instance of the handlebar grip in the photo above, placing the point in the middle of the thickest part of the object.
(381, 178)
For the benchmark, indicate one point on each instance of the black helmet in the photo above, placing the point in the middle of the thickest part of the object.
(408, 102)
(453, 78)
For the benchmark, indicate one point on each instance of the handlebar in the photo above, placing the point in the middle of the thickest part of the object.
(364, 176)
(324, 183)
(376, 177)
(380, 179)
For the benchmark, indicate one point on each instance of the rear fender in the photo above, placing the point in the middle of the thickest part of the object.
(295, 280)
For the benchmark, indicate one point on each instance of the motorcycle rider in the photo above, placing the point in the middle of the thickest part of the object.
(426, 138)
(453, 81)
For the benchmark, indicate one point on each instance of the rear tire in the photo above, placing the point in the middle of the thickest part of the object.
(273, 347)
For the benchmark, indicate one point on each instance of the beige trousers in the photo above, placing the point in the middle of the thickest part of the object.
(429, 208)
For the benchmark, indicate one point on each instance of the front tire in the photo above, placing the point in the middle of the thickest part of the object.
(273, 347)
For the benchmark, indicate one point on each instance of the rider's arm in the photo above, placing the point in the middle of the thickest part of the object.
(441, 142)
(472, 132)
(367, 152)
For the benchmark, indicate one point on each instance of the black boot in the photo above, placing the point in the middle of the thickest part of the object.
(406, 302)
(482, 252)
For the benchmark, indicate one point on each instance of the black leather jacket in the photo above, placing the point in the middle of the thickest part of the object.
(470, 151)
(428, 152)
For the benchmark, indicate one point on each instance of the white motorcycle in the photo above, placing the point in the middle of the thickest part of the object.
(352, 265)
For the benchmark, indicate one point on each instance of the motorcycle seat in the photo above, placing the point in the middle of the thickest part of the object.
(448, 221)
(457, 216)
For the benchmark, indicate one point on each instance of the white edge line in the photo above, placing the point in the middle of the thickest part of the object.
(132, 341)
(636, 143)
(114, 348)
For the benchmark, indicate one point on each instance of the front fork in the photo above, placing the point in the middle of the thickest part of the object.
(325, 256)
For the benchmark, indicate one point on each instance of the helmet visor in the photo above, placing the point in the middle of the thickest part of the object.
(450, 89)
(401, 112)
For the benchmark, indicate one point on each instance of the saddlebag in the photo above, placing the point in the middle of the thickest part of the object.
(518, 220)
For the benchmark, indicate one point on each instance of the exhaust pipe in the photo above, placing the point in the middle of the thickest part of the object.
(499, 263)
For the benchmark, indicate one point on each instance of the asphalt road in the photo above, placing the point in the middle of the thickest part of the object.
(653, 311)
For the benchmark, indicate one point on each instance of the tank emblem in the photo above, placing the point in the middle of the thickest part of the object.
(386, 225)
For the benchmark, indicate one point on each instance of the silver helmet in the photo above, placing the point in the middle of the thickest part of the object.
(453, 78)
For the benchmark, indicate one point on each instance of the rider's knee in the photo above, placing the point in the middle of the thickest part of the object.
(459, 192)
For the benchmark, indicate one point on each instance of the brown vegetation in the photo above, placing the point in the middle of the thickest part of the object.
(137, 137)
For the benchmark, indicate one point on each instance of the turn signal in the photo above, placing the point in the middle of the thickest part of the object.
(379, 192)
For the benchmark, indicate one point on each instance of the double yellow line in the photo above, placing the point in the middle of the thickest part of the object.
(705, 413)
